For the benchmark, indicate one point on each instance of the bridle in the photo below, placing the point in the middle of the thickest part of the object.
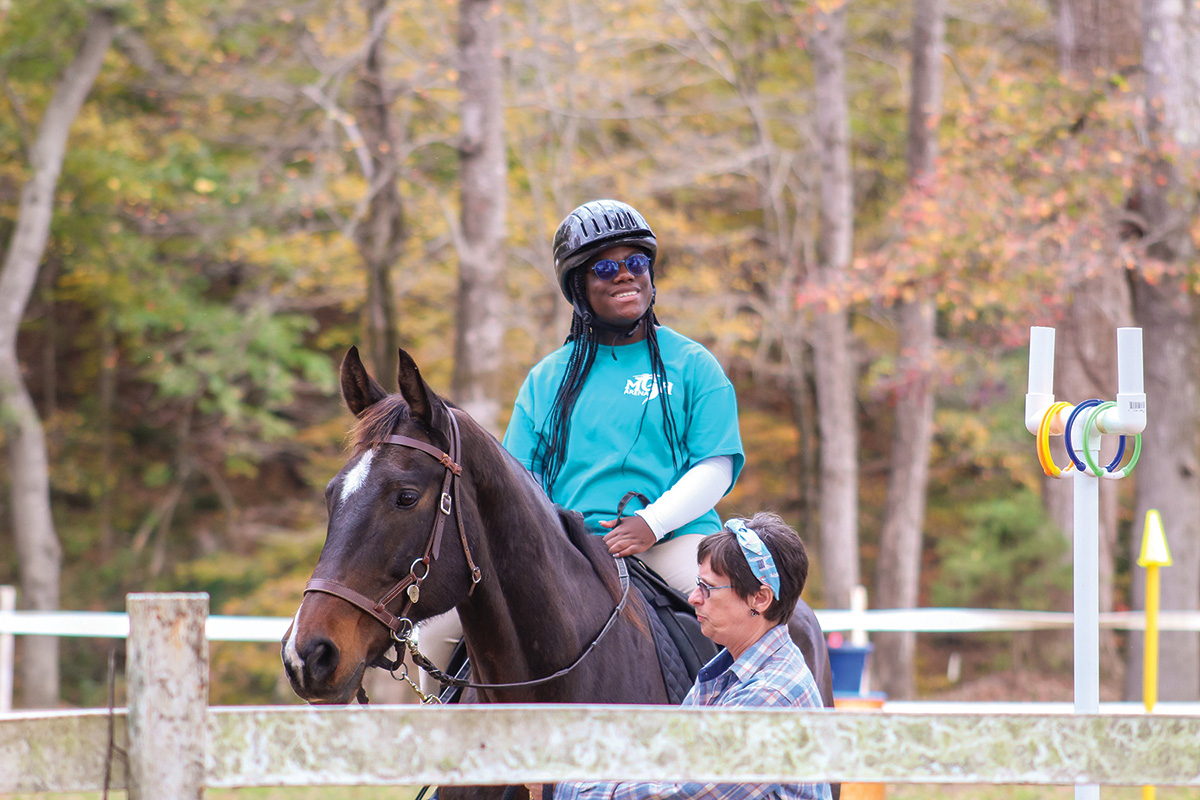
(401, 627)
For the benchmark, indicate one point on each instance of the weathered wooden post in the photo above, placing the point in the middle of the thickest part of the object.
(167, 682)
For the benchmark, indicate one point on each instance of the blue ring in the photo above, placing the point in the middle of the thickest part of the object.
(1079, 465)
(1120, 454)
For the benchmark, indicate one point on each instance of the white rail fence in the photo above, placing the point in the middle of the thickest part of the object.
(170, 743)
(115, 625)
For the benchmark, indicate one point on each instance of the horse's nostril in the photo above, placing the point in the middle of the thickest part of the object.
(320, 659)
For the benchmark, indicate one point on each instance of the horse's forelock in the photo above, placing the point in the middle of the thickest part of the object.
(380, 420)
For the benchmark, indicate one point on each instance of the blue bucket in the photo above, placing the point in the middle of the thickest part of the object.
(848, 665)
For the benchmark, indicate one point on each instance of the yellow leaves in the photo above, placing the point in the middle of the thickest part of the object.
(830, 6)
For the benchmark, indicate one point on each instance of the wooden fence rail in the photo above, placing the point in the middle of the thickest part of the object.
(177, 745)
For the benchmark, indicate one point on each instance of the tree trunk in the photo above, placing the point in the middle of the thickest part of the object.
(479, 338)
(106, 398)
(380, 235)
(1169, 480)
(833, 361)
(38, 548)
(898, 569)
(1095, 35)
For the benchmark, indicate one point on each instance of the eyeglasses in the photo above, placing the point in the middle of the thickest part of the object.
(706, 590)
(607, 269)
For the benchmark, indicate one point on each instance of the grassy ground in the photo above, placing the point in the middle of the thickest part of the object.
(321, 793)
(927, 791)
(891, 792)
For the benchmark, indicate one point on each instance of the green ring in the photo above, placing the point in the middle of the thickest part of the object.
(1087, 455)
(1087, 431)
(1133, 459)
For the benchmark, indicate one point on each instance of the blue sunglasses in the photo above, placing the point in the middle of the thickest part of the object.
(607, 269)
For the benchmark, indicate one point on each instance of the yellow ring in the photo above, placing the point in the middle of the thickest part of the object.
(1043, 443)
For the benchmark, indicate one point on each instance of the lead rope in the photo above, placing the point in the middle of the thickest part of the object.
(113, 750)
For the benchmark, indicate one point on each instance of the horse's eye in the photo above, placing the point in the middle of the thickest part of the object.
(407, 498)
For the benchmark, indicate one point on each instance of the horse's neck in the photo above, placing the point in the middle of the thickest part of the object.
(518, 516)
(536, 583)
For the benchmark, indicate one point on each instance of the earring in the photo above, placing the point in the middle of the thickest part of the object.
(754, 612)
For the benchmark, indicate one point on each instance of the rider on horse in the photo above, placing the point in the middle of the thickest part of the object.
(626, 405)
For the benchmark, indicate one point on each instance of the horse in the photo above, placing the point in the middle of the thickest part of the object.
(546, 614)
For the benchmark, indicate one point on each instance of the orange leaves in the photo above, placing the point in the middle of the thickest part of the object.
(1024, 200)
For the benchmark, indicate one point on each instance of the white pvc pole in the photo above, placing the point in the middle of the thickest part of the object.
(1040, 393)
(1129, 361)
(858, 605)
(1041, 360)
(1129, 415)
(8, 604)
(1087, 605)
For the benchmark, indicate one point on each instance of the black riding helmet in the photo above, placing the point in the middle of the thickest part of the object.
(593, 227)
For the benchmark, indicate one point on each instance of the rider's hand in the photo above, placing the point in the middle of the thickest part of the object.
(629, 536)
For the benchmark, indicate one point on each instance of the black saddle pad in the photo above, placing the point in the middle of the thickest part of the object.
(682, 648)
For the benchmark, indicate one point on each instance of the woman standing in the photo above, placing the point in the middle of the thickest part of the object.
(750, 578)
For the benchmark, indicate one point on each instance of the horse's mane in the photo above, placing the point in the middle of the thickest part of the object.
(590, 546)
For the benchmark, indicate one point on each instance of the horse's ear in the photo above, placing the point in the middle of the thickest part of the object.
(424, 404)
(359, 389)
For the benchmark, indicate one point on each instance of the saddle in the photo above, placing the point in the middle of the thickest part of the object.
(682, 648)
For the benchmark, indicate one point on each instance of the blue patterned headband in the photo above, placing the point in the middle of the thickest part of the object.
(756, 553)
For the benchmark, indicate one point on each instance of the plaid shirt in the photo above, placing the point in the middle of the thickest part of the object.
(770, 674)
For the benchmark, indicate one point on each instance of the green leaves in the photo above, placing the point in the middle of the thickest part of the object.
(1008, 556)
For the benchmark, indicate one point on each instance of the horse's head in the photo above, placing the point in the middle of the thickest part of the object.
(392, 553)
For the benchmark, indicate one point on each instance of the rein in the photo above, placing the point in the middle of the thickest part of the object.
(424, 663)
(400, 626)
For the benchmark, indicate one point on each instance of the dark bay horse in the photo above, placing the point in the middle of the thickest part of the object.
(542, 596)
(532, 598)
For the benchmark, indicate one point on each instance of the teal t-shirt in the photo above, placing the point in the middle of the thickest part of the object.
(617, 443)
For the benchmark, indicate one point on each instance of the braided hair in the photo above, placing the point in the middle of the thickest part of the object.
(551, 451)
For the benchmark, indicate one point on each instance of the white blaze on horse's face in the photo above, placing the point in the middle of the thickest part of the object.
(356, 478)
(290, 656)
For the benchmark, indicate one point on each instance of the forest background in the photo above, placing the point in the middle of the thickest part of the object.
(861, 209)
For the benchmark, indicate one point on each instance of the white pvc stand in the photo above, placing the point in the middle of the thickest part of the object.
(1128, 417)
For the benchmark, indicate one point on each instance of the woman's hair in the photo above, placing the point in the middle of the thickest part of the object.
(725, 557)
(551, 451)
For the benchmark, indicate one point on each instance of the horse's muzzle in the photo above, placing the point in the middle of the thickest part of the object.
(311, 664)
